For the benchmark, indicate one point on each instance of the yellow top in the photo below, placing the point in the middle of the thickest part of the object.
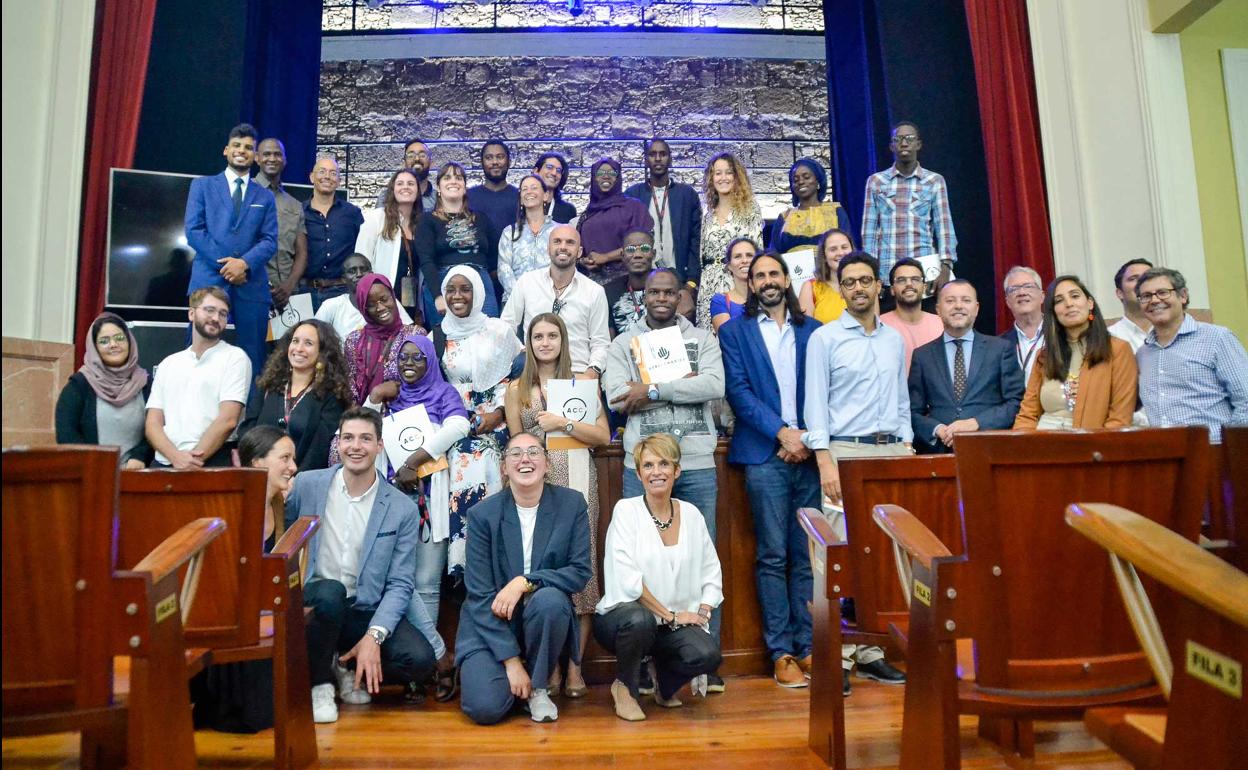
(828, 301)
(811, 222)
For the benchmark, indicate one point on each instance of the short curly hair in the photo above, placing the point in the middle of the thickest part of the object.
(331, 365)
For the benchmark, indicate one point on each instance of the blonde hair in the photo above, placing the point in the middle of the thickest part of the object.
(198, 296)
(742, 194)
(664, 445)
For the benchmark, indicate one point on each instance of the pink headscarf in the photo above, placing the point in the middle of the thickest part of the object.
(370, 369)
(115, 384)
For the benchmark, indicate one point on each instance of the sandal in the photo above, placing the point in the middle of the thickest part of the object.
(448, 685)
(414, 694)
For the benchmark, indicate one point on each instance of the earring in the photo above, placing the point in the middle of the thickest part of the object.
(1091, 316)
(320, 365)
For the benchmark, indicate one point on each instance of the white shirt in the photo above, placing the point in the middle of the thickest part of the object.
(190, 389)
(584, 311)
(339, 313)
(782, 350)
(230, 176)
(342, 533)
(681, 577)
(528, 522)
(665, 248)
(1026, 350)
(1126, 330)
(383, 254)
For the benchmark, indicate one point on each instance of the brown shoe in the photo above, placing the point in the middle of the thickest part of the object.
(788, 673)
(626, 706)
(806, 664)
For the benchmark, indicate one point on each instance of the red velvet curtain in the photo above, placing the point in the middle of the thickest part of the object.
(123, 36)
(1007, 110)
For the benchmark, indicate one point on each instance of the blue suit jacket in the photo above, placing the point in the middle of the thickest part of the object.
(560, 559)
(388, 555)
(214, 233)
(994, 388)
(685, 209)
(751, 388)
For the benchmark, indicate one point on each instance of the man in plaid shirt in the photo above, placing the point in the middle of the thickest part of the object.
(906, 213)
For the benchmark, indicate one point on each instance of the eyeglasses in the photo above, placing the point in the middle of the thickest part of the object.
(1149, 296)
(905, 138)
(903, 280)
(863, 280)
(605, 174)
(1027, 287)
(118, 338)
(556, 307)
(643, 248)
(415, 358)
(528, 453)
(322, 173)
(416, 154)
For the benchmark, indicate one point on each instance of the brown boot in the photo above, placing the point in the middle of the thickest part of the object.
(788, 673)
(626, 706)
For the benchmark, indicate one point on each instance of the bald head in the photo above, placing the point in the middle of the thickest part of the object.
(564, 247)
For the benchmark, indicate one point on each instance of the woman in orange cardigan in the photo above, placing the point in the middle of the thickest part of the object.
(1083, 378)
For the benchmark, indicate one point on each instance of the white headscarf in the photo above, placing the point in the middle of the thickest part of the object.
(494, 346)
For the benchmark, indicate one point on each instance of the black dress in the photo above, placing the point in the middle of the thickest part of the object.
(312, 424)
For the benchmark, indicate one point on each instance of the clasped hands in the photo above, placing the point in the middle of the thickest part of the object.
(946, 433)
(233, 270)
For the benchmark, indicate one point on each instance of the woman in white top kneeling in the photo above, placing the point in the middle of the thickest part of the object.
(661, 579)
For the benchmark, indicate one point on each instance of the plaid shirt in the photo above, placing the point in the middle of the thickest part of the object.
(1200, 378)
(906, 216)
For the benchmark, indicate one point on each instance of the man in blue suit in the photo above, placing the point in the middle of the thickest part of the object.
(361, 571)
(231, 224)
(528, 552)
(765, 378)
(962, 381)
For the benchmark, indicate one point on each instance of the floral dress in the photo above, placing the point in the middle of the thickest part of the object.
(715, 240)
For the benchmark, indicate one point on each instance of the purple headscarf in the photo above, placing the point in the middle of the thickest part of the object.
(440, 398)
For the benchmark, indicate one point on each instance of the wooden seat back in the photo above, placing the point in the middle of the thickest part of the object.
(1038, 599)
(1230, 522)
(156, 502)
(926, 485)
(59, 505)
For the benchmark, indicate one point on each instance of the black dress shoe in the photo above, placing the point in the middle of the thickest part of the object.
(845, 682)
(881, 671)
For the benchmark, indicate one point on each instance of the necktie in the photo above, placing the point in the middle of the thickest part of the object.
(238, 196)
(959, 370)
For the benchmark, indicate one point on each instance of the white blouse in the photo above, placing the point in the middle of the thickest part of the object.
(681, 577)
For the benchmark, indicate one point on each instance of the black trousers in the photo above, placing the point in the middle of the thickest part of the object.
(631, 632)
(337, 624)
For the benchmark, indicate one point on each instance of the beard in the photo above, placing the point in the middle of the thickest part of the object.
(779, 300)
(494, 177)
(204, 332)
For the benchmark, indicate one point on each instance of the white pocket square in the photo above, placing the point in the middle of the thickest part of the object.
(257, 205)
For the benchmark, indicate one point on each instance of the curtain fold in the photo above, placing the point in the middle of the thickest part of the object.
(123, 36)
(1005, 80)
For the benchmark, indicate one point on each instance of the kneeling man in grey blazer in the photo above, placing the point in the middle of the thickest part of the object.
(528, 552)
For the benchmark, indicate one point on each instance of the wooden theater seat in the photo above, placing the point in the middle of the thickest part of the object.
(1206, 723)
(1229, 520)
(1050, 636)
(68, 611)
(252, 601)
(862, 567)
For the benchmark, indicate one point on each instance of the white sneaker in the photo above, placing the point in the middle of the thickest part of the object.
(541, 707)
(347, 690)
(324, 709)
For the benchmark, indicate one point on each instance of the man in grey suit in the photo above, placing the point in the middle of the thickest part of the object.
(528, 552)
(961, 381)
(361, 571)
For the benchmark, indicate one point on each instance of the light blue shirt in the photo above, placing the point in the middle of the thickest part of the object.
(524, 254)
(856, 382)
(782, 350)
(1199, 378)
(951, 349)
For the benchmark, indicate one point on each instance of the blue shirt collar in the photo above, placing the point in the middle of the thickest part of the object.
(969, 337)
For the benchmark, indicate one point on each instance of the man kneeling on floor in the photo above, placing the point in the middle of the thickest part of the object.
(528, 552)
(360, 572)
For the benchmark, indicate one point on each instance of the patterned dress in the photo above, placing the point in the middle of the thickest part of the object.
(558, 474)
(715, 240)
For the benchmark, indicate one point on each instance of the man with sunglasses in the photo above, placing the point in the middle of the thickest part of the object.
(626, 293)
(1191, 373)
(906, 213)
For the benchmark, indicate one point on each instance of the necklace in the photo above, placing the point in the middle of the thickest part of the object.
(291, 407)
(671, 515)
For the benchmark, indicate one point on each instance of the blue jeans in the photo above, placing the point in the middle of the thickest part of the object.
(422, 611)
(433, 317)
(777, 489)
(698, 487)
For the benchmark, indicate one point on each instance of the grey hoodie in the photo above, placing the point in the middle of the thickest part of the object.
(684, 406)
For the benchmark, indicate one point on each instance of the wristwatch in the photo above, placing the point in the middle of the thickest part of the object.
(653, 392)
(568, 429)
(596, 368)
(378, 635)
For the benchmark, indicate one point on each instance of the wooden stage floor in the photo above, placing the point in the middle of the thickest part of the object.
(755, 724)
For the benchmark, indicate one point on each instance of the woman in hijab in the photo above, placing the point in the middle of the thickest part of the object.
(609, 217)
(372, 355)
(477, 354)
(104, 401)
(811, 216)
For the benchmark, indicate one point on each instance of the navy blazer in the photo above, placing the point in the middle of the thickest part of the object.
(685, 210)
(214, 233)
(560, 559)
(751, 388)
(388, 553)
(994, 389)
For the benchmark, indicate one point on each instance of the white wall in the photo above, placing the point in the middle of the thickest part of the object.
(47, 75)
(1117, 143)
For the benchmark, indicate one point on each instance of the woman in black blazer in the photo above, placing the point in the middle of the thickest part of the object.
(303, 391)
(104, 401)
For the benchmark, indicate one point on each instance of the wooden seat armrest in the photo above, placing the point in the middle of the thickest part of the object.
(180, 547)
(1166, 556)
(817, 528)
(910, 534)
(296, 538)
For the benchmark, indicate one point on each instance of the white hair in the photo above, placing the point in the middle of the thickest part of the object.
(1005, 285)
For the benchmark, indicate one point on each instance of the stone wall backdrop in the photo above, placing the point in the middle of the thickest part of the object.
(769, 112)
